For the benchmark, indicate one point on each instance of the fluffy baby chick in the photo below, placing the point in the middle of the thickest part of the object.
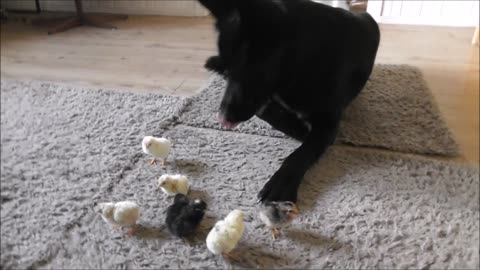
(184, 216)
(172, 184)
(277, 215)
(156, 147)
(123, 214)
(223, 238)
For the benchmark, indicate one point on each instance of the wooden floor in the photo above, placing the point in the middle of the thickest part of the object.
(166, 55)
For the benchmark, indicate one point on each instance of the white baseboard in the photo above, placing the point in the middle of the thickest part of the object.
(455, 22)
(131, 7)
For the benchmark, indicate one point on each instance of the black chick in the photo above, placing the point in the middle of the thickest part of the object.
(184, 216)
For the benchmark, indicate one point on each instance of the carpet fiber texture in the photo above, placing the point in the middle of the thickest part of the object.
(60, 146)
(395, 111)
(63, 149)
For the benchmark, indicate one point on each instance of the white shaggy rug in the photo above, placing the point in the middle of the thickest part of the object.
(62, 149)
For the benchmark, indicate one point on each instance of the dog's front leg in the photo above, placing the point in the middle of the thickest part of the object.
(284, 184)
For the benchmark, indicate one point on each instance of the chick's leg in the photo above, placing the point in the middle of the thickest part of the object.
(228, 255)
(153, 162)
(186, 241)
(132, 231)
(116, 227)
(275, 233)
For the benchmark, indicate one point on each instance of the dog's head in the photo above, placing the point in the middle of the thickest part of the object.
(239, 103)
(248, 8)
(249, 52)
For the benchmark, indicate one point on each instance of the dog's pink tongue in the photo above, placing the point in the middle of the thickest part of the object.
(225, 123)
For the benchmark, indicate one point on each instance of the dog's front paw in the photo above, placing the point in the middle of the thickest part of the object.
(281, 187)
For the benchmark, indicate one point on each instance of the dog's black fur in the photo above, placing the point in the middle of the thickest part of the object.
(295, 64)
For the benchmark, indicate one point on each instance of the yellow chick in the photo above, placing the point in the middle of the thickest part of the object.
(223, 238)
(120, 214)
(172, 184)
(156, 147)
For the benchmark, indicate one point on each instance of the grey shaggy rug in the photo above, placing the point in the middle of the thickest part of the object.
(394, 111)
(63, 149)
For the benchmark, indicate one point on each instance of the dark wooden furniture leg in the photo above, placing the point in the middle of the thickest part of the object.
(37, 6)
(83, 19)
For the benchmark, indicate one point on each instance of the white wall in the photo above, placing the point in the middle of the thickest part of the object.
(427, 12)
(335, 3)
(146, 7)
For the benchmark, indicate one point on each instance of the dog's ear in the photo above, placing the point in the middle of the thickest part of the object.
(256, 14)
(252, 13)
(219, 8)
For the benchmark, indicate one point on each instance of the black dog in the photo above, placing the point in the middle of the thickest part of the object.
(295, 64)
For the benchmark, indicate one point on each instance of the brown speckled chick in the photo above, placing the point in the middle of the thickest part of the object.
(276, 215)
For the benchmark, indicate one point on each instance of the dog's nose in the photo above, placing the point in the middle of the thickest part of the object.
(225, 123)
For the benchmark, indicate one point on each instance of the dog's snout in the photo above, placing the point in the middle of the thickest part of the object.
(225, 123)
